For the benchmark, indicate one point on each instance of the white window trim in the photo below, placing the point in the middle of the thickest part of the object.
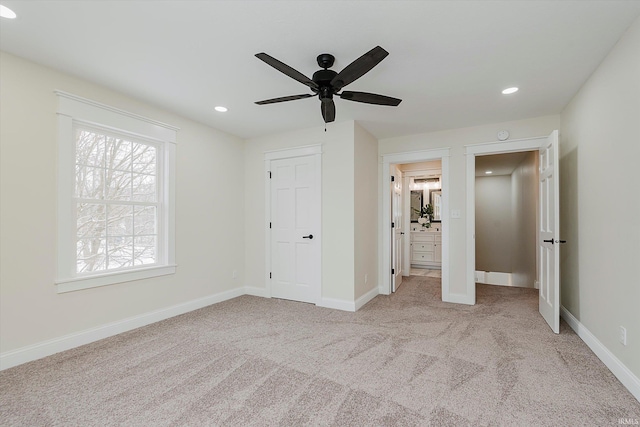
(72, 108)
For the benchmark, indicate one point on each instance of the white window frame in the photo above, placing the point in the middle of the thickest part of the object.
(74, 110)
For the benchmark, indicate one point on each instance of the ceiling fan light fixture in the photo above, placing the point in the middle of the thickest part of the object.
(221, 109)
(510, 90)
(5, 12)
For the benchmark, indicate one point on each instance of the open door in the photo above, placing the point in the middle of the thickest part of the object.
(397, 232)
(549, 233)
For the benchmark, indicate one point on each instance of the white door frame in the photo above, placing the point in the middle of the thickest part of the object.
(471, 151)
(287, 153)
(384, 255)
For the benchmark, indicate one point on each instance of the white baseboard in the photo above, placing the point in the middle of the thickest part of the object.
(458, 299)
(257, 292)
(337, 304)
(66, 342)
(626, 377)
(360, 302)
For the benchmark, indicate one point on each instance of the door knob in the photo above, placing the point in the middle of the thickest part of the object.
(548, 241)
(310, 236)
(561, 241)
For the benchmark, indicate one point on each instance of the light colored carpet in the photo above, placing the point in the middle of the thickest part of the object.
(406, 359)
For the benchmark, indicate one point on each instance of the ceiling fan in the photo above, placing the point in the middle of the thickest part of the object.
(325, 83)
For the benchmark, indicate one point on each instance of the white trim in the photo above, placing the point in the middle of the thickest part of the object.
(384, 254)
(364, 299)
(411, 156)
(496, 147)
(71, 109)
(257, 291)
(459, 298)
(110, 278)
(337, 304)
(624, 374)
(286, 153)
(67, 342)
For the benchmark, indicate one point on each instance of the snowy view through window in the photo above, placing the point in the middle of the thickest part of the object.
(116, 196)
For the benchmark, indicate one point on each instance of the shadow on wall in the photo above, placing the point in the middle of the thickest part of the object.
(569, 228)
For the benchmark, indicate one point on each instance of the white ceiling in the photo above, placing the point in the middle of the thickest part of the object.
(498, 164)
(448, 60)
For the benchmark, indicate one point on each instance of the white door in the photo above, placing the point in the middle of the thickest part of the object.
(295, 229)
(396, 229)
(549, 233)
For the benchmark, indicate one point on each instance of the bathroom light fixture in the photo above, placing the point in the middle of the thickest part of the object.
(221, 109)
(488, 172)
(509, 90)
(5, 12)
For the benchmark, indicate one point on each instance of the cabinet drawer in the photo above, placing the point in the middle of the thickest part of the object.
(422, 256)
(422, 237)
(418, 246)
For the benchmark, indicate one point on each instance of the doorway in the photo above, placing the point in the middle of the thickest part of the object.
(423, 219)
(548, 226)
(506, 187)
(386, 236)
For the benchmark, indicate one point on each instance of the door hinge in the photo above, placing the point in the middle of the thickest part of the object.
(269, 275)
(269, 225)
(393, 178)
(269, 174)
(393, 225)
(393, 271)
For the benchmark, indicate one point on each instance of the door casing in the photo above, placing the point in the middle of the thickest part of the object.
(384, 251)
(471, 151)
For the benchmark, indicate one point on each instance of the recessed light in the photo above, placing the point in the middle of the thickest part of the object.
(220, 109)
(5, 12)
(509, 90)
(489, 172)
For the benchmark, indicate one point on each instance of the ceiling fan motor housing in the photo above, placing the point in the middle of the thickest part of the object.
(323, 79)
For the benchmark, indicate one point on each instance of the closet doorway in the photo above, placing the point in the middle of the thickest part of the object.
(506, 203)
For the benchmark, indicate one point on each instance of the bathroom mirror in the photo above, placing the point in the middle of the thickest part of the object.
(416, 204)
(436, 202)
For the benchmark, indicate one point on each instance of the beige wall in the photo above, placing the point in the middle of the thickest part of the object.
(600, 150)
(209, 229)
(337, 205)
(456, 139)
(524, 198)
(494, 224)
(366, 211)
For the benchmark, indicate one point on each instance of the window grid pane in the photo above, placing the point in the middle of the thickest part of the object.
(116, 190)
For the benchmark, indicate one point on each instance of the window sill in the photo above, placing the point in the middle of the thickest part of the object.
(78, 283)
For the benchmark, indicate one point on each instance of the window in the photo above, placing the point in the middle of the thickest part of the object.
(115, 202)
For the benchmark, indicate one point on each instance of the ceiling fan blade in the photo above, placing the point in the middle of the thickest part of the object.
(359, 67)
(284, 98)
(370, 98)
(328, 108)
(284, 68)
